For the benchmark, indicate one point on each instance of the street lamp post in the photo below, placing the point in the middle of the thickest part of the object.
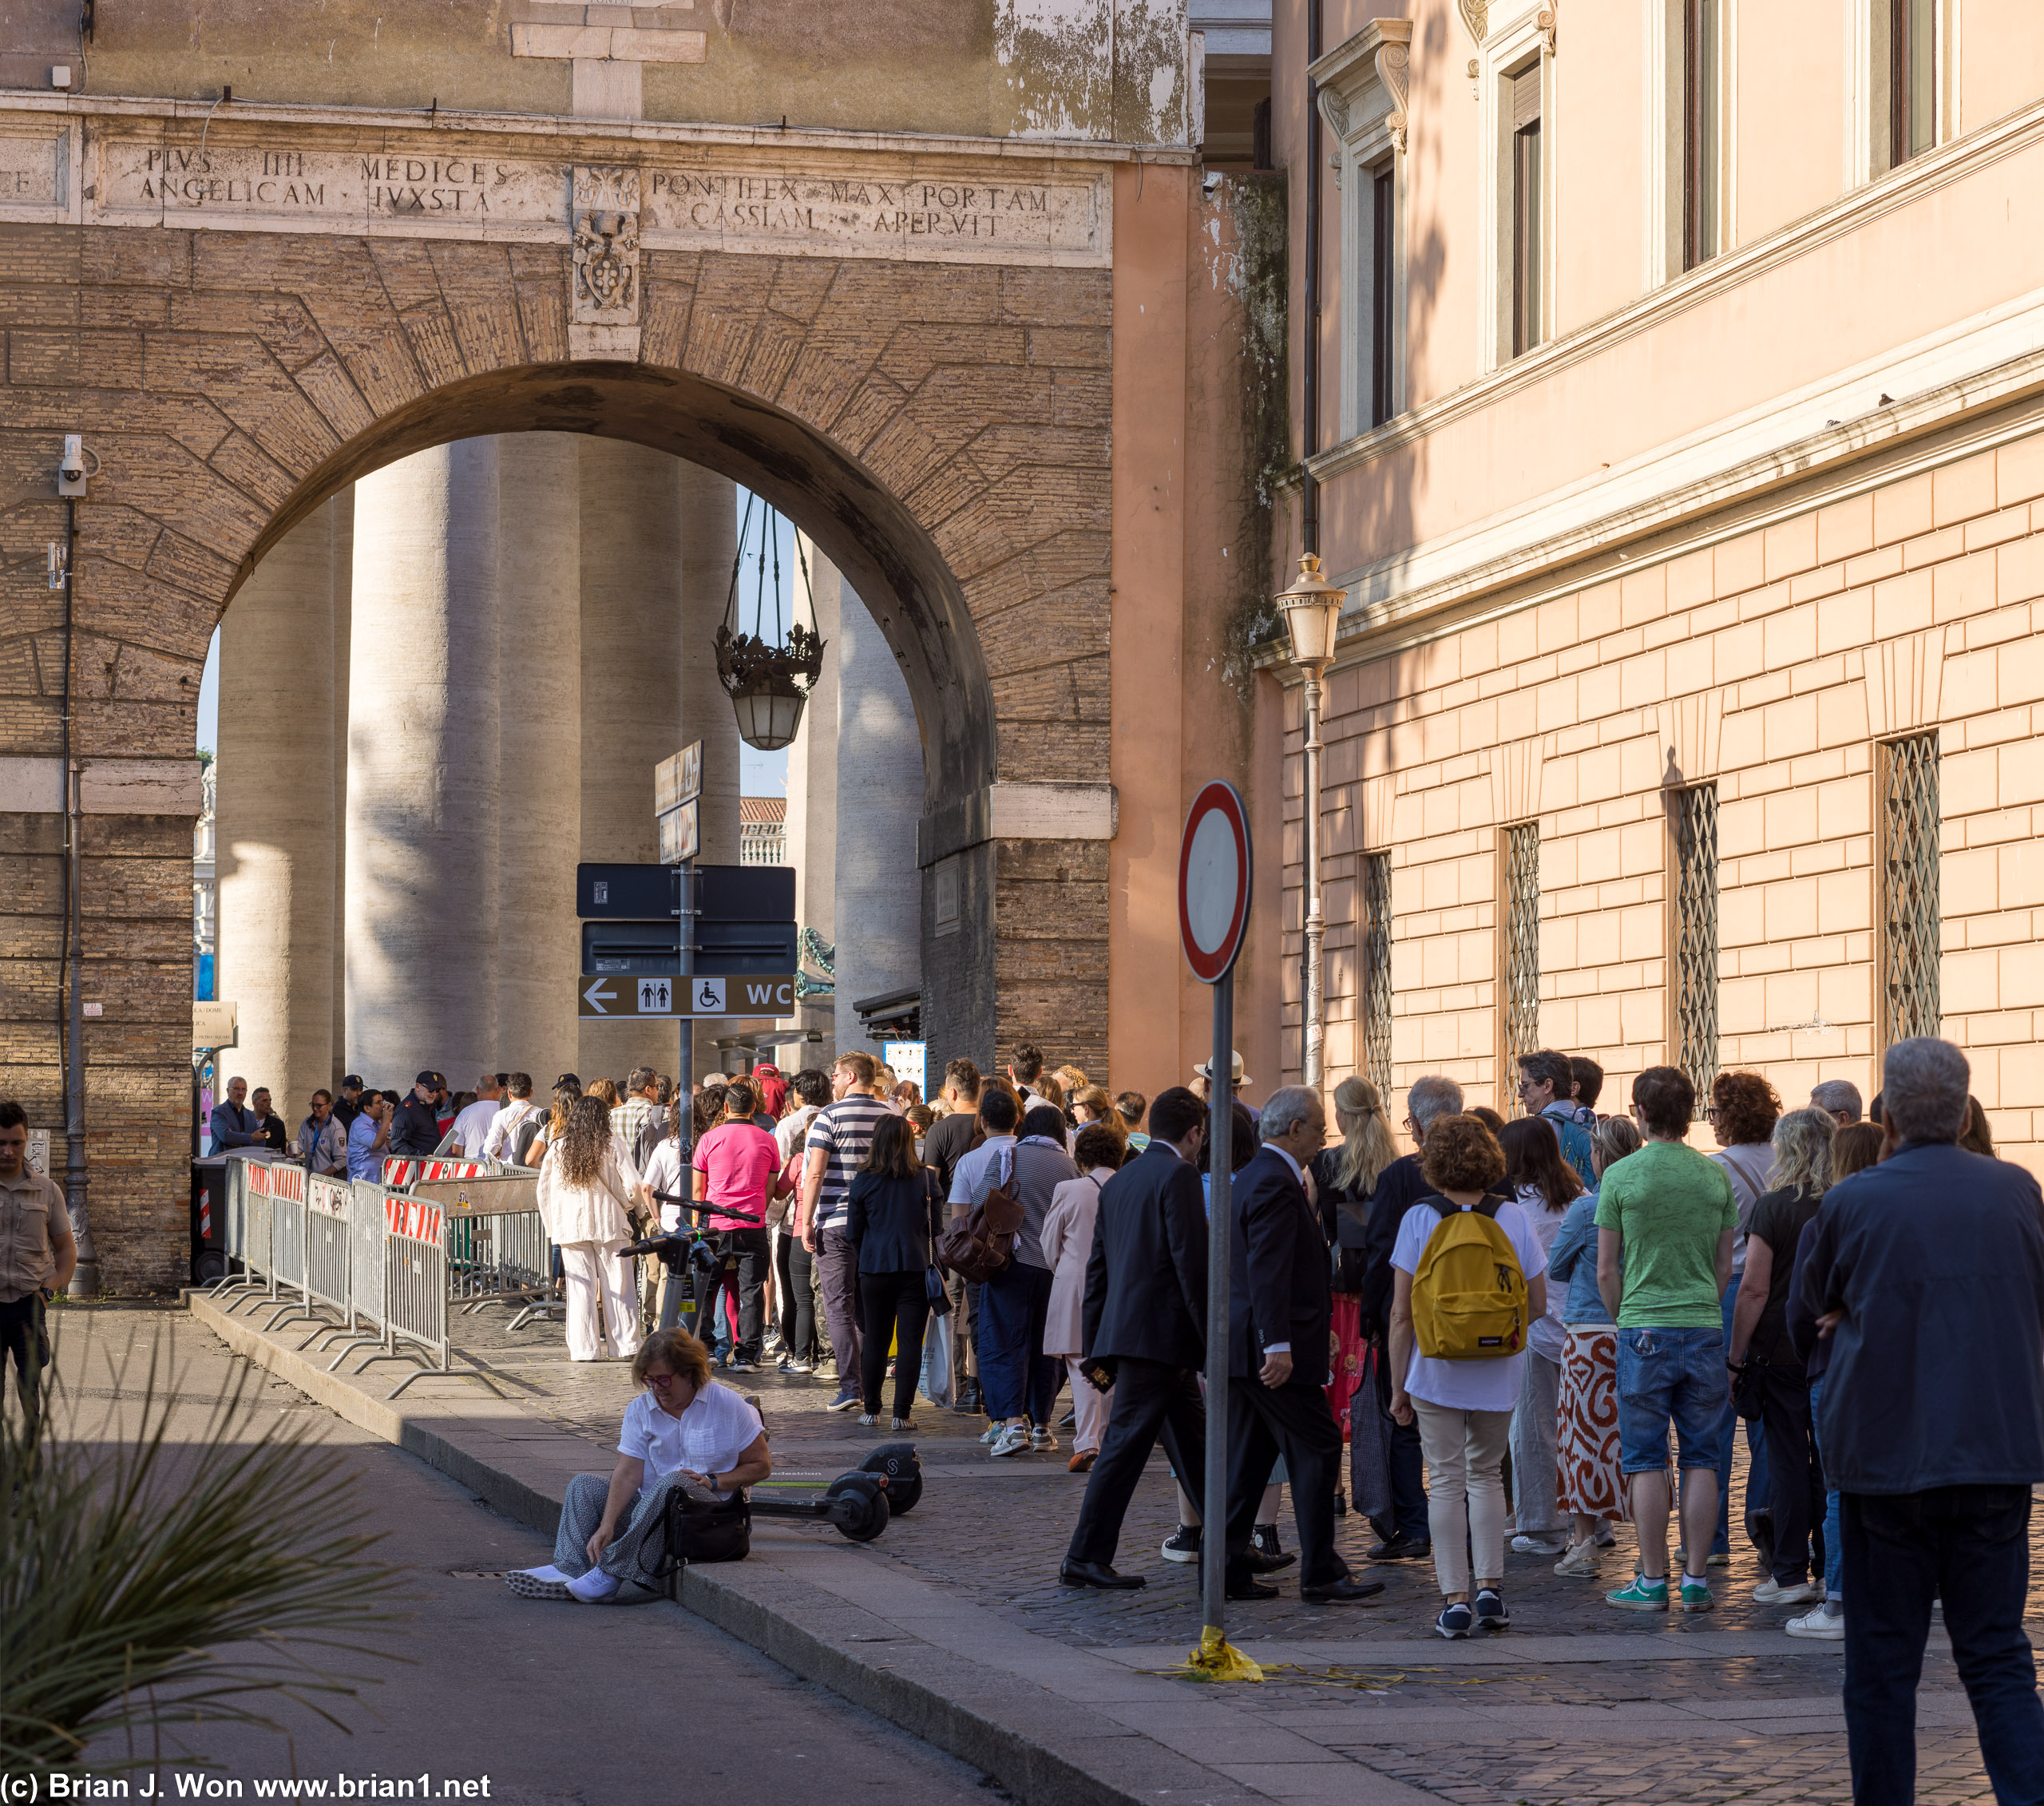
(1312, 607)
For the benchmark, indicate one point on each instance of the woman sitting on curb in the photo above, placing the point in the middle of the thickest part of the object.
(683, 1429)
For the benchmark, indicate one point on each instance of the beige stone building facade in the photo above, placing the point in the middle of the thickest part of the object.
(1681, 448)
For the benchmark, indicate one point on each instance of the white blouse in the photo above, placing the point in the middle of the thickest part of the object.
(594, 1213)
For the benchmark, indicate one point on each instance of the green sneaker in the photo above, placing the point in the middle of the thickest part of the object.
(1640, 1595)
(1696, 1596)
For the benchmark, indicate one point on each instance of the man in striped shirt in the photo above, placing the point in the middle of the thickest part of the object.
(835, 1146)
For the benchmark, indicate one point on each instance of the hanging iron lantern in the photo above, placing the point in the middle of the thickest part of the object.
(768, 681)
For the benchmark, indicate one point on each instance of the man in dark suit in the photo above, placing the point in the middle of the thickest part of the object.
(1279, 1308)
(1146, 1313)
(1926, 1272)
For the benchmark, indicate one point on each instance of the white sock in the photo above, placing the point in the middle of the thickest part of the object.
(593, 1586)
(549, 1572)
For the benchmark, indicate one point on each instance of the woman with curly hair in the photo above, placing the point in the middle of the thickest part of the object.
(1593, 1483)
(587, 1191)
(1743, 1109)
(1463, 1407)
(1540, 1178)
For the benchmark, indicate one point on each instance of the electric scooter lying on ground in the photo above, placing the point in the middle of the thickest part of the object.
(859, 1504)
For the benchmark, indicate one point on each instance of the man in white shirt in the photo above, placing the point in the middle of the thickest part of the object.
(501, 1141)
(472, 1126)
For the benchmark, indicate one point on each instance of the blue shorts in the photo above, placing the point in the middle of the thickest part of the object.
(1670, 1374)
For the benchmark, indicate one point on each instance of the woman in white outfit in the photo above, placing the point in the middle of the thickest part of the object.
(587, 1187)
(1067, 1239)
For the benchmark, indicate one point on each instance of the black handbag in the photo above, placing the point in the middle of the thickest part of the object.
(703, 1530)
(1749, 1389)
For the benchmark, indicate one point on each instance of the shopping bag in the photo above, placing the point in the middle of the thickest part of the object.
(939, 1383)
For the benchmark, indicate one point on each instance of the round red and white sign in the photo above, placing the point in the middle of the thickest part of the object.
(1213, 881)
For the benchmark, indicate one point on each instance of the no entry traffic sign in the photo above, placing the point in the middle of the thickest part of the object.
(1213, 882)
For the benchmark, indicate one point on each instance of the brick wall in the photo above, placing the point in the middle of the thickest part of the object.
(1772, 663)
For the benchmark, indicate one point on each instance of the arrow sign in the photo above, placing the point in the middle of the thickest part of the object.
(644, 997)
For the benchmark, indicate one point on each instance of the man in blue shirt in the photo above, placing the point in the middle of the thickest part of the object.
(1546, 1088)
(369, 1136)
(1926, 1274)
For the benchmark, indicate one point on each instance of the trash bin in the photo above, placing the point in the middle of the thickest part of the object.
(209, 1220)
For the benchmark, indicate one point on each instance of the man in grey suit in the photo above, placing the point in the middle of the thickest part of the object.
(1145, 1314)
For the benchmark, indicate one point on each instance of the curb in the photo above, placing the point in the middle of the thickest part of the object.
(1012, 1731)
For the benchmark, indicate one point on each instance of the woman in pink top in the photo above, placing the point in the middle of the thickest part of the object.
(737, 1173)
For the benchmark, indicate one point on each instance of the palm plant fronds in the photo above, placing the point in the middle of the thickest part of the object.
(162, 1574)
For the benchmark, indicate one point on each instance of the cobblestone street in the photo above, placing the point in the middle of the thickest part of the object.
(1591, 1707)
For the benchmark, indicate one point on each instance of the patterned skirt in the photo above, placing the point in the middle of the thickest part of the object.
(1348, 1363)
(1587, 1451)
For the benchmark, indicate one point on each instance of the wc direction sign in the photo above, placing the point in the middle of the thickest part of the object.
(639, 998)
(1214, 871)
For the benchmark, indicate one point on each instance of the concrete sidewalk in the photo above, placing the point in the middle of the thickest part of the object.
(1062, 1709)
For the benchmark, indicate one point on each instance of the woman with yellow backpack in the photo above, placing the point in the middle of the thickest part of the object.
(1470, 1280)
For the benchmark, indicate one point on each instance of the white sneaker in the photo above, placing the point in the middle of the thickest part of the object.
(1013, 1439)
(594, 1587)
(1539, 1545)
(993, 1433)
(1769, 1593)
(1043, 1442)
(1607, 1533)
(1580, 1560)
(1824, 1625)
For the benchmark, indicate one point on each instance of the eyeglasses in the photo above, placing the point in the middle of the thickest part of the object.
(659, 1382)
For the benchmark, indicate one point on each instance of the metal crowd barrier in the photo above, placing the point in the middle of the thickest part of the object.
(497, 1249)
(415, 1283)
(285, 1184)
(402, 1172)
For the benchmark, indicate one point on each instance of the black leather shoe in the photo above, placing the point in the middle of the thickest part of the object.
(1248, 1587)
(1099, 1575)
(1346, 1591)
(1400, 1549)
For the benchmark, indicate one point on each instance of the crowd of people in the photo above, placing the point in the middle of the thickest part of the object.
(1528, 1333)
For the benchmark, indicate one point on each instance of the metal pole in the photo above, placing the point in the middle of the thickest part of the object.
(1220, 1134)
(84, 1281)
(684, 1082)
(1316, 1005)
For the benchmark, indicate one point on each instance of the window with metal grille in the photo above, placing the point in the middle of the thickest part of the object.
(1909, 915)
(1696, 936)
(1375, 900)
(1519, 925)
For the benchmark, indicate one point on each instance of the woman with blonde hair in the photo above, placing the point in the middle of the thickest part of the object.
(1345, 1176)
(587, 1187)
(1761, 1352)
(1593, 1489)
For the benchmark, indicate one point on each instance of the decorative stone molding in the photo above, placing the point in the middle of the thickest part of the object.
(1476, 15)
(1010, 811)
(1543, 22)
(1379, 55)
(603, 274)
(1905, 683)
(1689, 729)
(1515, 769)
(34, 785)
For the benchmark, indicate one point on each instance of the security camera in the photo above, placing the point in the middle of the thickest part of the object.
(71, 470)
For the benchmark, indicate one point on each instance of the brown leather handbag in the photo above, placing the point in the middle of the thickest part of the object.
(981, 1244)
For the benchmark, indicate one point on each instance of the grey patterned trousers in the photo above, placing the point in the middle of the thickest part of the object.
(636, 1552)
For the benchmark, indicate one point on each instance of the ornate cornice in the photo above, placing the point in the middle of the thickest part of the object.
(1380, 53)
(1476, 15)
(1543, 22)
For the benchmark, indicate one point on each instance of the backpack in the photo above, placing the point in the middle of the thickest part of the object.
(1469, 1291)
(522, 1136)
(979, 1246)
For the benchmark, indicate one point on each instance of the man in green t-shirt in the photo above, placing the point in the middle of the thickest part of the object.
(1667, 1213)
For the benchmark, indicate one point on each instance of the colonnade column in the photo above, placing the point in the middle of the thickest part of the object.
(879, 802)
(813, 807)
(539, 752)
(274, 817)
(709, 543)
(630, 664)
(343, 569)
(423, 796)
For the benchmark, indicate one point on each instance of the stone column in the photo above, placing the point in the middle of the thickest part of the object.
(813, 809)
(422, 848)
(343, 573)
(880, 801)
(709, 542)
(631, 565)
(275, 818)
(539, 752)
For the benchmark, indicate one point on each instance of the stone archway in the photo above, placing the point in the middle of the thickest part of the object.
(939, 423)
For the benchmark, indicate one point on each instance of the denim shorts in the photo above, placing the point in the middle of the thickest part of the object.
(1670, 1374)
